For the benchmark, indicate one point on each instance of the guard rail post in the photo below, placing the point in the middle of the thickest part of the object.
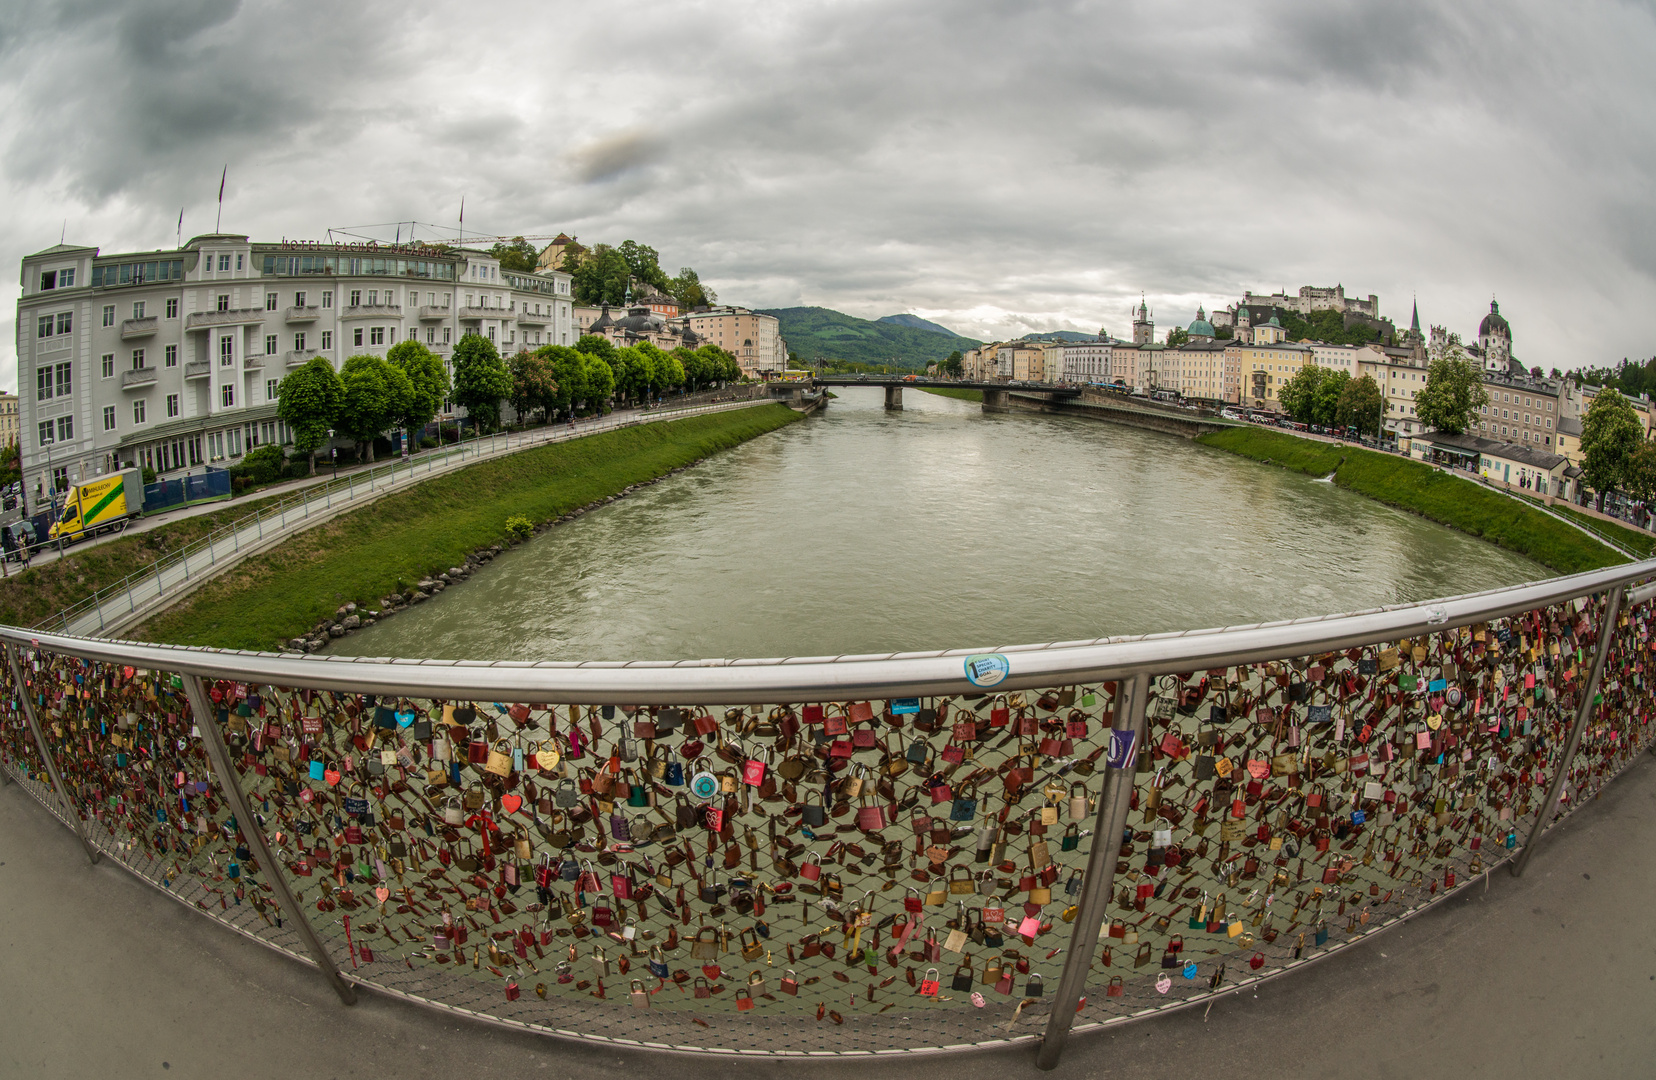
(213, 741)
(69, 806)
(1099, 880)
(1549, 806)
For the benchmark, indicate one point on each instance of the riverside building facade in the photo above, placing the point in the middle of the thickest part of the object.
(170, 359)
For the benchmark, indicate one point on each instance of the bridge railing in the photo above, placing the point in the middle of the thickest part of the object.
(853, 854)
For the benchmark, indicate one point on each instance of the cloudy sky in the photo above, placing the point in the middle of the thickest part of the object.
(1000, 167)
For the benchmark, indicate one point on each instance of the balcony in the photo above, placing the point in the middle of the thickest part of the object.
(252, 363)
(205, 320)
(297, 357)
(372, 311)
(302, 314)
(473, 314)
(198, 369)
(137, 328)
(434, 314)
(131, 380)
(526, 319)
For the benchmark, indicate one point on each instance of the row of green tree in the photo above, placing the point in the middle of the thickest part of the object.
(1636, 378)
(603, 274)
(372, 395)
(1449, 402)
(1615, 454)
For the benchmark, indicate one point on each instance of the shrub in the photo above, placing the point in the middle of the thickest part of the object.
(149, 475)
(263, 465)
(519, 527)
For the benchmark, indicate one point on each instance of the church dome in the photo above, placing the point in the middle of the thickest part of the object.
(602, 322)
(1200, 328)
(1494, 324)
(640, 320)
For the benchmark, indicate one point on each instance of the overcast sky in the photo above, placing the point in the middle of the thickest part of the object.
(998, 167)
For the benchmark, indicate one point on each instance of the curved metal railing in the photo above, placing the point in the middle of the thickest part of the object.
(853, 854)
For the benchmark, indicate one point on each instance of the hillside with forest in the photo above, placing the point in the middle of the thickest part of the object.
(814, 334)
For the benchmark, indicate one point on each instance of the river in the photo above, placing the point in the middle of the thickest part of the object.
(865, 531)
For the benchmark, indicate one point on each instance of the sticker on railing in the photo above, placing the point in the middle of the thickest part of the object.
(987, 669)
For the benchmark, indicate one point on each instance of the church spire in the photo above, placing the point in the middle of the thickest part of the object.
(1414, 323)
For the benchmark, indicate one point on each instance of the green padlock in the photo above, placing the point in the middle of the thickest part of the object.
(637, 795)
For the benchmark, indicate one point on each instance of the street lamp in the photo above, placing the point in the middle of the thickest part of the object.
(333, 453)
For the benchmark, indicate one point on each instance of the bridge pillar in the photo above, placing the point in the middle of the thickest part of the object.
(996, 401)
(894, 398)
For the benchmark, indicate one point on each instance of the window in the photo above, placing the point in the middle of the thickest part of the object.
(270, 389)
(373, 297)
(172, 308)
(356, 338)
(376, 335)
(172, 405)
(227, 351)
(138, 309)
(43, 326)
(431, 299)
(224, 262)
(48, 280)
(327, 298)
(270, 301)
(239, 258)
(413, 333)
(431, 335)
(109, 418)
(227, 395)
(43, 384)
(356, 297)
(137, 359)
(270, 344)
(109, 315)
(66, 278)
(138, 408)
(224, 301)
(64, 322)
(445, 335)
(235, 442)
(299, 341)
(63, 379)
(106, 365)
(45, 434)
(171, 356)
(491, 332)
(298, 299)
(327, 339)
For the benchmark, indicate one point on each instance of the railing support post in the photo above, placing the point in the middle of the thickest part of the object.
(213, 741)
(1096, 886)
(1549, 806)
(69, 805)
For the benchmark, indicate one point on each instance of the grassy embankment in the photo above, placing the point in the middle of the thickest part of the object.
(1640, 543)
(1409, 485)
(950, 391)
(48, 587)
(396, 541)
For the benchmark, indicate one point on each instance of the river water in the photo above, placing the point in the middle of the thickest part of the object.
(939, 527)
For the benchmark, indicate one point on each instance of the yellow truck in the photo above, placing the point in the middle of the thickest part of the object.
(98, 505)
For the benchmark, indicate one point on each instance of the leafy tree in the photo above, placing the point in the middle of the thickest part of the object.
(955, 365)
(601, 279)
(377, 395)
(697, 372)
(1326, 405)
(644, 264)
(533, 385)
(308, 400)
(1360, 406)
(721, 362)
(520, 255)
(1454, 391)
(689, 291)
(1610, 435)
(10, 463)
(428, 380)
(596, 345)
(1326, 325)
(573, 256)
(1298, 395)
(600, 382)
(1640, 479)
(1220, 333)
(569, 367)
(1177, 336)
(480, 380)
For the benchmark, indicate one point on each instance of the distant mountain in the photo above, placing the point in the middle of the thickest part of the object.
(825, 334)
(917, 323)
(1062, 335)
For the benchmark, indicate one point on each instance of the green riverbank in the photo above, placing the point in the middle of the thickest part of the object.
(391, 544)
(1461, 504)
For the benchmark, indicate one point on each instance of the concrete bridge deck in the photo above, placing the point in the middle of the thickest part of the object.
(1548, 975)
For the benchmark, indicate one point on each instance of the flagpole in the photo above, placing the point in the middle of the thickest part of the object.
(220, 218)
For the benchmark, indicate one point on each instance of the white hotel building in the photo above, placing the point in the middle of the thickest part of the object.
(170, 359)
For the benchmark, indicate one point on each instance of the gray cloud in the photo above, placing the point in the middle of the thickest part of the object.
(997, 166)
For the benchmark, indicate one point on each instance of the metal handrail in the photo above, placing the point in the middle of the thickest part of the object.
(498, 443)
(923, 674)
